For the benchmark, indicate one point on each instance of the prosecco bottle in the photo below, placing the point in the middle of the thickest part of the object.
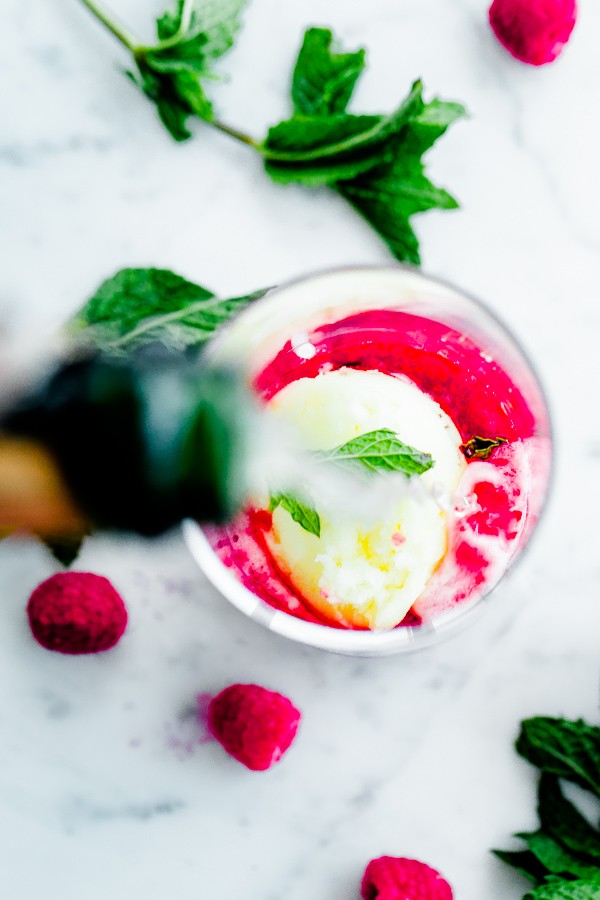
(136, 444)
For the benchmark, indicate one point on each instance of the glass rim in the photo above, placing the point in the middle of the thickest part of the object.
(402, 638)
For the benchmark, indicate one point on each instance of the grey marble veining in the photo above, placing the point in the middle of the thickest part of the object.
(107, 787)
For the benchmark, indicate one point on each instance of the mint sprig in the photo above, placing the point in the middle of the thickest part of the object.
(375, 450)
(172, 72)
(569, 750)
(142, 306)
(560, 818)
(562, 857)
(374, 161)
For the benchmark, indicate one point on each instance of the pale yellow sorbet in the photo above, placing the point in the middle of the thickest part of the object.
(363, 572)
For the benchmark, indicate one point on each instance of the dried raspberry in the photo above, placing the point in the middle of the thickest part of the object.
(76, 612)
(496, 514)
(255, 725)
(534, 31)
(394, 878)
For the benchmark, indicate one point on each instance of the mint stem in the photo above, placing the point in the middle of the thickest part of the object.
(184, 24)
(109, 23)
(185, 17)
(237, 135)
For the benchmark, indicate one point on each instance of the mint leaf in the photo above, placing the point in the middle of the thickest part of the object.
(564, 822)
(304, 515)
(566, 890)
(524, 862)
(481, 448)
(381, 449)
(65, 548)
(374, 451)
(389, 194)
(566, 847)
(319, 150)
(555, 858)
(570, 750)
(140, 306)
(171, 73)
(177, 95)
(324, 150)
(324, 79)
(134, 294)
(204, 30)
(387, 200)
(374, 162)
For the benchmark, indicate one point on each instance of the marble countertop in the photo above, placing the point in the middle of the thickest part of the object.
(105, 791)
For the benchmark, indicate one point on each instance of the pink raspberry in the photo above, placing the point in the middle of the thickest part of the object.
(256, 726)
(534, 31)
(394, 878)
(76, 612)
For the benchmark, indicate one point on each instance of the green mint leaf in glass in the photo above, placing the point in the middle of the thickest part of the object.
(569, 750)
(555, 858)
(304, 515)
(566, 890)
(375, 451)
(323, 79)
(481, 448)
(137, 307)
(560, 818)
(380, 450)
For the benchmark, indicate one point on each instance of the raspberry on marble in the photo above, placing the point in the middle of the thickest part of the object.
(254, 725)
(533, 31)
(396, 878)
(76, 612)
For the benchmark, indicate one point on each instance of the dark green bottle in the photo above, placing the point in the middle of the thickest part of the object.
(142, 443)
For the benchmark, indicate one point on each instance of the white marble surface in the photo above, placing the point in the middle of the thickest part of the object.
(103, 792)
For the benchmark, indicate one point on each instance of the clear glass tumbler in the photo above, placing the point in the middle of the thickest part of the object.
(395, 320)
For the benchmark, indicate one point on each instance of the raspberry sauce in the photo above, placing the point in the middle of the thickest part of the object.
(497, 500)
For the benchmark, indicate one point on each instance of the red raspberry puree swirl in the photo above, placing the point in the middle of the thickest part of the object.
(497, 501)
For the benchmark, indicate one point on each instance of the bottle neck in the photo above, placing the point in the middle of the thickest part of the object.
(144, 443)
